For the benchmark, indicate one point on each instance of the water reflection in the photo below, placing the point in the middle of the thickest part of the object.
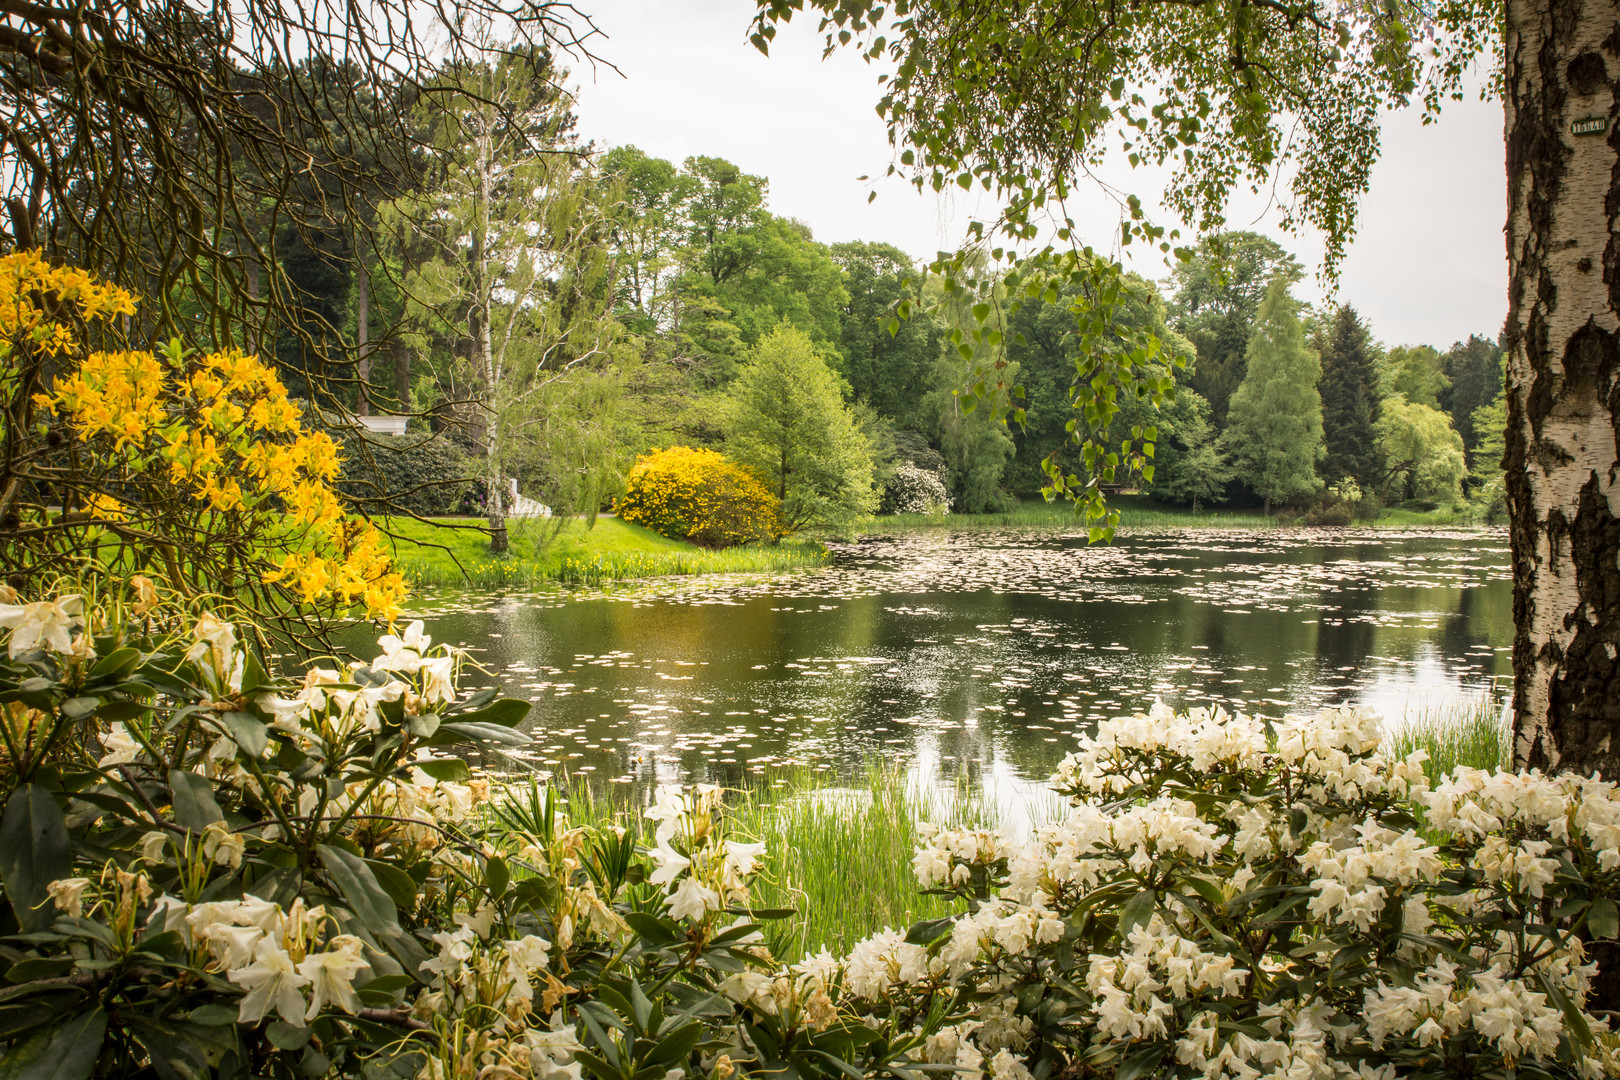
(980, 654)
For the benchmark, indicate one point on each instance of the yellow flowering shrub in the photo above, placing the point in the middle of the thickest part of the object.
(197, 461)
(691, 494)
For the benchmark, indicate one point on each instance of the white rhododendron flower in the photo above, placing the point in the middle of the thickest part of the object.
(331, 976)
(68, 895)
(272, 984)
(50, 623)
(403, 653)
(120, 746)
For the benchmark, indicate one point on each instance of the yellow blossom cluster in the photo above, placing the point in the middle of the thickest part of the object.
(692, 494)
(218, 427)
(36, 297)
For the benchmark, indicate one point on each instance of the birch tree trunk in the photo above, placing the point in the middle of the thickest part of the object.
(483, 357)
(1563, 381)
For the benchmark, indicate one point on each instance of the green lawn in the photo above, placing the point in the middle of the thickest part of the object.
(455, 551)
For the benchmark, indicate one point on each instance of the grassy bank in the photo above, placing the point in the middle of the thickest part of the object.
(455, 551)
(1139, 512)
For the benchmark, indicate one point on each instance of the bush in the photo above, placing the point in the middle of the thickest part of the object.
(422, 474)
(697, 495)
(915, 490)
(1230, 898)
(214, 872)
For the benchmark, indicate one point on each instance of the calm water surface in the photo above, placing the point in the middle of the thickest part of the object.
(980, 654)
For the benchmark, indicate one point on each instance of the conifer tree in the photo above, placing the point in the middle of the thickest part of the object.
(1349, 391)
(1274, 426)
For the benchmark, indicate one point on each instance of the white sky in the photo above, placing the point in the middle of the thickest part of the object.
(1428, 265)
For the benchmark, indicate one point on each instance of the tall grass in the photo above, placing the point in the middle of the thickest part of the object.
(839, 856)
(1470, 734)
(494, 572)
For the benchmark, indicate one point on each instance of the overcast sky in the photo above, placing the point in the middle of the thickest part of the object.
(1428, 265)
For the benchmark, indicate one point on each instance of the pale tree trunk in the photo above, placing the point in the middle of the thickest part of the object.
(1563, 393)
(362, 329)
(484, 362)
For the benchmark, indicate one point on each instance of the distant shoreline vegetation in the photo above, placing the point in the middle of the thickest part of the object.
(454, 551)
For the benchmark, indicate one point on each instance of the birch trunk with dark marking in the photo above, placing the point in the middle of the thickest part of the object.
(362, 330)
(1563, 392)
(484, 361)
(1563, 382)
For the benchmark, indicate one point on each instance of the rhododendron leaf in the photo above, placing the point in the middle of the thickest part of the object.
(1136, 911)
(67, 1052)
(1142, 1064)
(285, 1036)
(491, 733)
(400, 886)
(446, 770)
(248, 732)
(423, 726)
(929, 930)
(496, 876)
(507, 712)
(118, 662)
(366, 898)
(650, 928)
(1604, 919)
(194, 805)
(34, 851)
(1207, 889)
(253, 675)
(673, 1048)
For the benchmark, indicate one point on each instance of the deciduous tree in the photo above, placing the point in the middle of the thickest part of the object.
(786, 420)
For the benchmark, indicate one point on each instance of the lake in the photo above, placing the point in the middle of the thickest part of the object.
(978, 654)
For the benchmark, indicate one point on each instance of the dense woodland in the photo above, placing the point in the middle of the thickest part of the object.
(547, 310)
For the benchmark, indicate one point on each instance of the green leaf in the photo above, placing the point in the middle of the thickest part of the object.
(676, 1046)
(1136, 912)
(285, 1036)
(497, 876)
(67, 1052)
(194, 805)
(929, 930)
(39, 967)
(448, 770)
(366, 898)
(650, 928)
(1604, 919)
(400, 886)
(491, 733)
(248, 732)
(119, 661)
(34, 851)
(507, 712)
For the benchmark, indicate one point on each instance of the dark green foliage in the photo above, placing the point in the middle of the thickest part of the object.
(1475, 370)
(889, 372)
(1044, 345)
(1349, 390)
(1217, 294)
(421, 474)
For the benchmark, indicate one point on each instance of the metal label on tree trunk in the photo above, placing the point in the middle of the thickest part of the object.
(1590, 125)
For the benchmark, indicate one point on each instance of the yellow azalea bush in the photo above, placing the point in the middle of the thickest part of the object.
(195, 465)
(692, 494)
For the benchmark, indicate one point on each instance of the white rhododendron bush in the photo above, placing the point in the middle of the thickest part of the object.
(213, 870)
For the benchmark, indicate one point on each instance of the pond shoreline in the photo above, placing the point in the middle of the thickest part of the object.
(453, 552)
